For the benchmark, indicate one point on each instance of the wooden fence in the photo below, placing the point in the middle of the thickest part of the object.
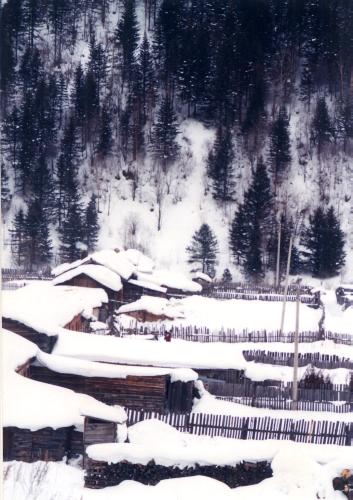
(281, 391)
(10, 274)
(317, 359)
(268, 297)
(286, 404)
(254, 288)
(203, 334)
(319, 432)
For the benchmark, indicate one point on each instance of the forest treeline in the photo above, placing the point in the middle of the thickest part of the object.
(234, 65)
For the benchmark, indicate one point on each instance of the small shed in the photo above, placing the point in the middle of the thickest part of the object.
(150, 309)
(43, 422)
(95, 276)
(39, 312)
(135, 387)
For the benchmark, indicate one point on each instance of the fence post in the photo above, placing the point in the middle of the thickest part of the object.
(244, 429)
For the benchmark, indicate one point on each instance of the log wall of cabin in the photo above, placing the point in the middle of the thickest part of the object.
(44, 342)
(149, 393)
(132, 292)
(78, 324)
(44, 444)
(82, 280)
(144, 316)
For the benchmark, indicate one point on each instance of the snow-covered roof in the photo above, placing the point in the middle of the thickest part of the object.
(64, 364)
(47, 308)
(148, 285)
(202, 276)
(131, 264)
(29, 404)
(240, 315)
(101, 274)
(170, 279)
(154, 305)
(179, 353)
(125, 263)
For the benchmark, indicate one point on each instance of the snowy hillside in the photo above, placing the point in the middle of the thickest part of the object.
(132, 124)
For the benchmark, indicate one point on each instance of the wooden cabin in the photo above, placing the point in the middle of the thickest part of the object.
(134, 289)
(95, 276)
(44, 444)
(44, 342)
(39, 313)
(147, 392)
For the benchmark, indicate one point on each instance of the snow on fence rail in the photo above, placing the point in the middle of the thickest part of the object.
(319, 432)
(253, 288)
(317, 359)
(9, 274)
(286, 404)
(268, 297)
(282, 391)
(232, 336)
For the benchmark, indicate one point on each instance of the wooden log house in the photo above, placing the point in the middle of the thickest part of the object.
(93, 275)
(140, 388)
(41, 422)
(40, 313)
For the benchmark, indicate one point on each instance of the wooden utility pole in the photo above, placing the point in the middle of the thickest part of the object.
(296, 352)
(286, 283)
(278, 254)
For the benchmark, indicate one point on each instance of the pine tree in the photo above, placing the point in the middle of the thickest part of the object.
(249, 232)
(7, 53)
(105, 136)
(72, 230)
(127, 36)
(239, 235)
(321, 129)
(19, 238)
(97, 63)
(164, 145)
(334, 256)
(39, 247)
(324, 243)
(147, 78)
(91, 226)
(204, 249)
(10, 140)
(220, 167)
(5, 190)
(226, 277)
(79, 93)
(280, 155)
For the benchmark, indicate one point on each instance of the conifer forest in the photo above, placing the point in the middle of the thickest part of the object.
(207, 126)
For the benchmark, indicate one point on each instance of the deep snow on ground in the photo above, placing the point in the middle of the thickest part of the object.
(298, 474)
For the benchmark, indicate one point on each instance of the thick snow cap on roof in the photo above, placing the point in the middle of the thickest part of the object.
(131, 264)
(201, 276)
(47, 308)
(29, 404)
(101, 274)
(154, 305)
(170, 279)
(84, 368)
(148, 285)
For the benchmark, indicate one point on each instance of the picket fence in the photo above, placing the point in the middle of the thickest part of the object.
(317, 359)
(203, 334)
(281, 391)
(258, 428)
(286, 404)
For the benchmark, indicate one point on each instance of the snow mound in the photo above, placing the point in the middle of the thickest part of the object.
(101, 274)
(47, 308)
(154, 305)
(29, 404)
